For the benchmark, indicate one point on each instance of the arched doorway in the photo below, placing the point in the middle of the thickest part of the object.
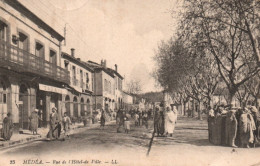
(88, 106)
(3, 100)
(75, 107)
(82, 105)
(67, 105)
(23, 106)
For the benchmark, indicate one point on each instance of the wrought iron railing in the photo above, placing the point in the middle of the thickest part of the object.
(23, 61)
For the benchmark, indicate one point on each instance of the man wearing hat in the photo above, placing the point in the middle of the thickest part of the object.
(54, 120)
(34, 121)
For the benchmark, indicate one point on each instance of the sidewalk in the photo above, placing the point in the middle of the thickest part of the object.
(28, 137)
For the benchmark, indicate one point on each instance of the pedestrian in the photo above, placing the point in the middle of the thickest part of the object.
(54, 121)
(231, 128)
(161, 123)
(156, 121)
(217, 132)
(136, 117)
(7, 130)
(256, 116)
(145, 119)
(170, 120)
(34, 121)
(140, 118)
(102, 119)
(119, 119)
(126, 123)
(247, 126)
(66, 124)
(211, 117)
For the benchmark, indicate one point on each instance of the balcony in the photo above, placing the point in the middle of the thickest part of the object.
(23, 61)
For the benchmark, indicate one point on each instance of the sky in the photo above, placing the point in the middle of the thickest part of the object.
(124, 32)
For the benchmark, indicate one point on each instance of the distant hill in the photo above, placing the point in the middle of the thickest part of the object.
(152, 96)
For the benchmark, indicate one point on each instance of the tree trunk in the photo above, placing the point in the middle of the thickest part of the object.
(184, 109)
(231, 97)
(193, 108)
(199, 111)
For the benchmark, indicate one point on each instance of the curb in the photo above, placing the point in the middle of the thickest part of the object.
(10, 144)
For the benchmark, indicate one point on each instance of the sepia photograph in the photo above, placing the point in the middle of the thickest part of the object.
(130, 82)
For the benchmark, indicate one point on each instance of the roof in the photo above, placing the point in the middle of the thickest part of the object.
(77, 61)
(30, 15)
(99, 67)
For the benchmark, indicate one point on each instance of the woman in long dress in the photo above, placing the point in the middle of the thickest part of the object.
(170, 120)
(34, 121)
(7, 131)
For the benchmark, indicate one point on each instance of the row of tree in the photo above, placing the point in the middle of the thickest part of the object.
(216, 49)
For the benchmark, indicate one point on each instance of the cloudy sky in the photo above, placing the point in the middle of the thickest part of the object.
(124, 32)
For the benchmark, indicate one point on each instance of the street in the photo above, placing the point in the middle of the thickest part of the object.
(188, 146)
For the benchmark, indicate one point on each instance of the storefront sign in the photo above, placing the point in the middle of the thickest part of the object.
(53, 89)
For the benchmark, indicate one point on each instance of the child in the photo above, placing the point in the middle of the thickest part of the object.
(136, 117)
(127, 124)
(66, 124)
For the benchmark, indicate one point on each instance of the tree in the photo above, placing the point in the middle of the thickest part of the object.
(223, 29)
(134, 87)
(253, 87)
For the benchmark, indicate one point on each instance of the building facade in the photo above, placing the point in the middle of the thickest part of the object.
(31, 75)
(78, 99)
(107, 87)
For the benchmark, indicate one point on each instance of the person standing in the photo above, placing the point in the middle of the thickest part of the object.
(34, 121)
(54, 121)
(140, 118)
(170, 120)
(145, 119)
(156, 121)
(231, 128)
(136, 117)
(102, 119)
(7, 130)
(66, 124)
(126, 123)
(247, 126)
(211, 117)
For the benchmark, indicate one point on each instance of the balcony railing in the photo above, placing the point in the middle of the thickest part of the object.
(23, 61)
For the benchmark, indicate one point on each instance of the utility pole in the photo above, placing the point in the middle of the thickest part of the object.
(65, 31)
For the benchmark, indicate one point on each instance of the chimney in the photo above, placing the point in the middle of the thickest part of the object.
(105, 63)
(101, 63)
(72, 52)
(116, 67)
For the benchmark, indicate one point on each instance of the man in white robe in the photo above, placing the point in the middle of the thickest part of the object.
(170, 120)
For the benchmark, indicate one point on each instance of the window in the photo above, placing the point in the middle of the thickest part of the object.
(66, 64)
(39, 50)
(74, 75)
(81, 78)
(53, 57)
(3, 93)
(23, 41)
(3, 31)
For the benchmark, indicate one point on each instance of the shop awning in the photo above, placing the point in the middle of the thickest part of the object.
(53, 89)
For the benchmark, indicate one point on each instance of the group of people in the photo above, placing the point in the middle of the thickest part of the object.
(141, 118)
(165, 121)
(123, 121)
(233, 126)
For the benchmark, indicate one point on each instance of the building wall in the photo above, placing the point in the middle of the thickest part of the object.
(98, 88)
(78, 69)
(21, 104)
(19, 23)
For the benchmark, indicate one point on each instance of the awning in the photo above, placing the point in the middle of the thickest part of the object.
(53, 89)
